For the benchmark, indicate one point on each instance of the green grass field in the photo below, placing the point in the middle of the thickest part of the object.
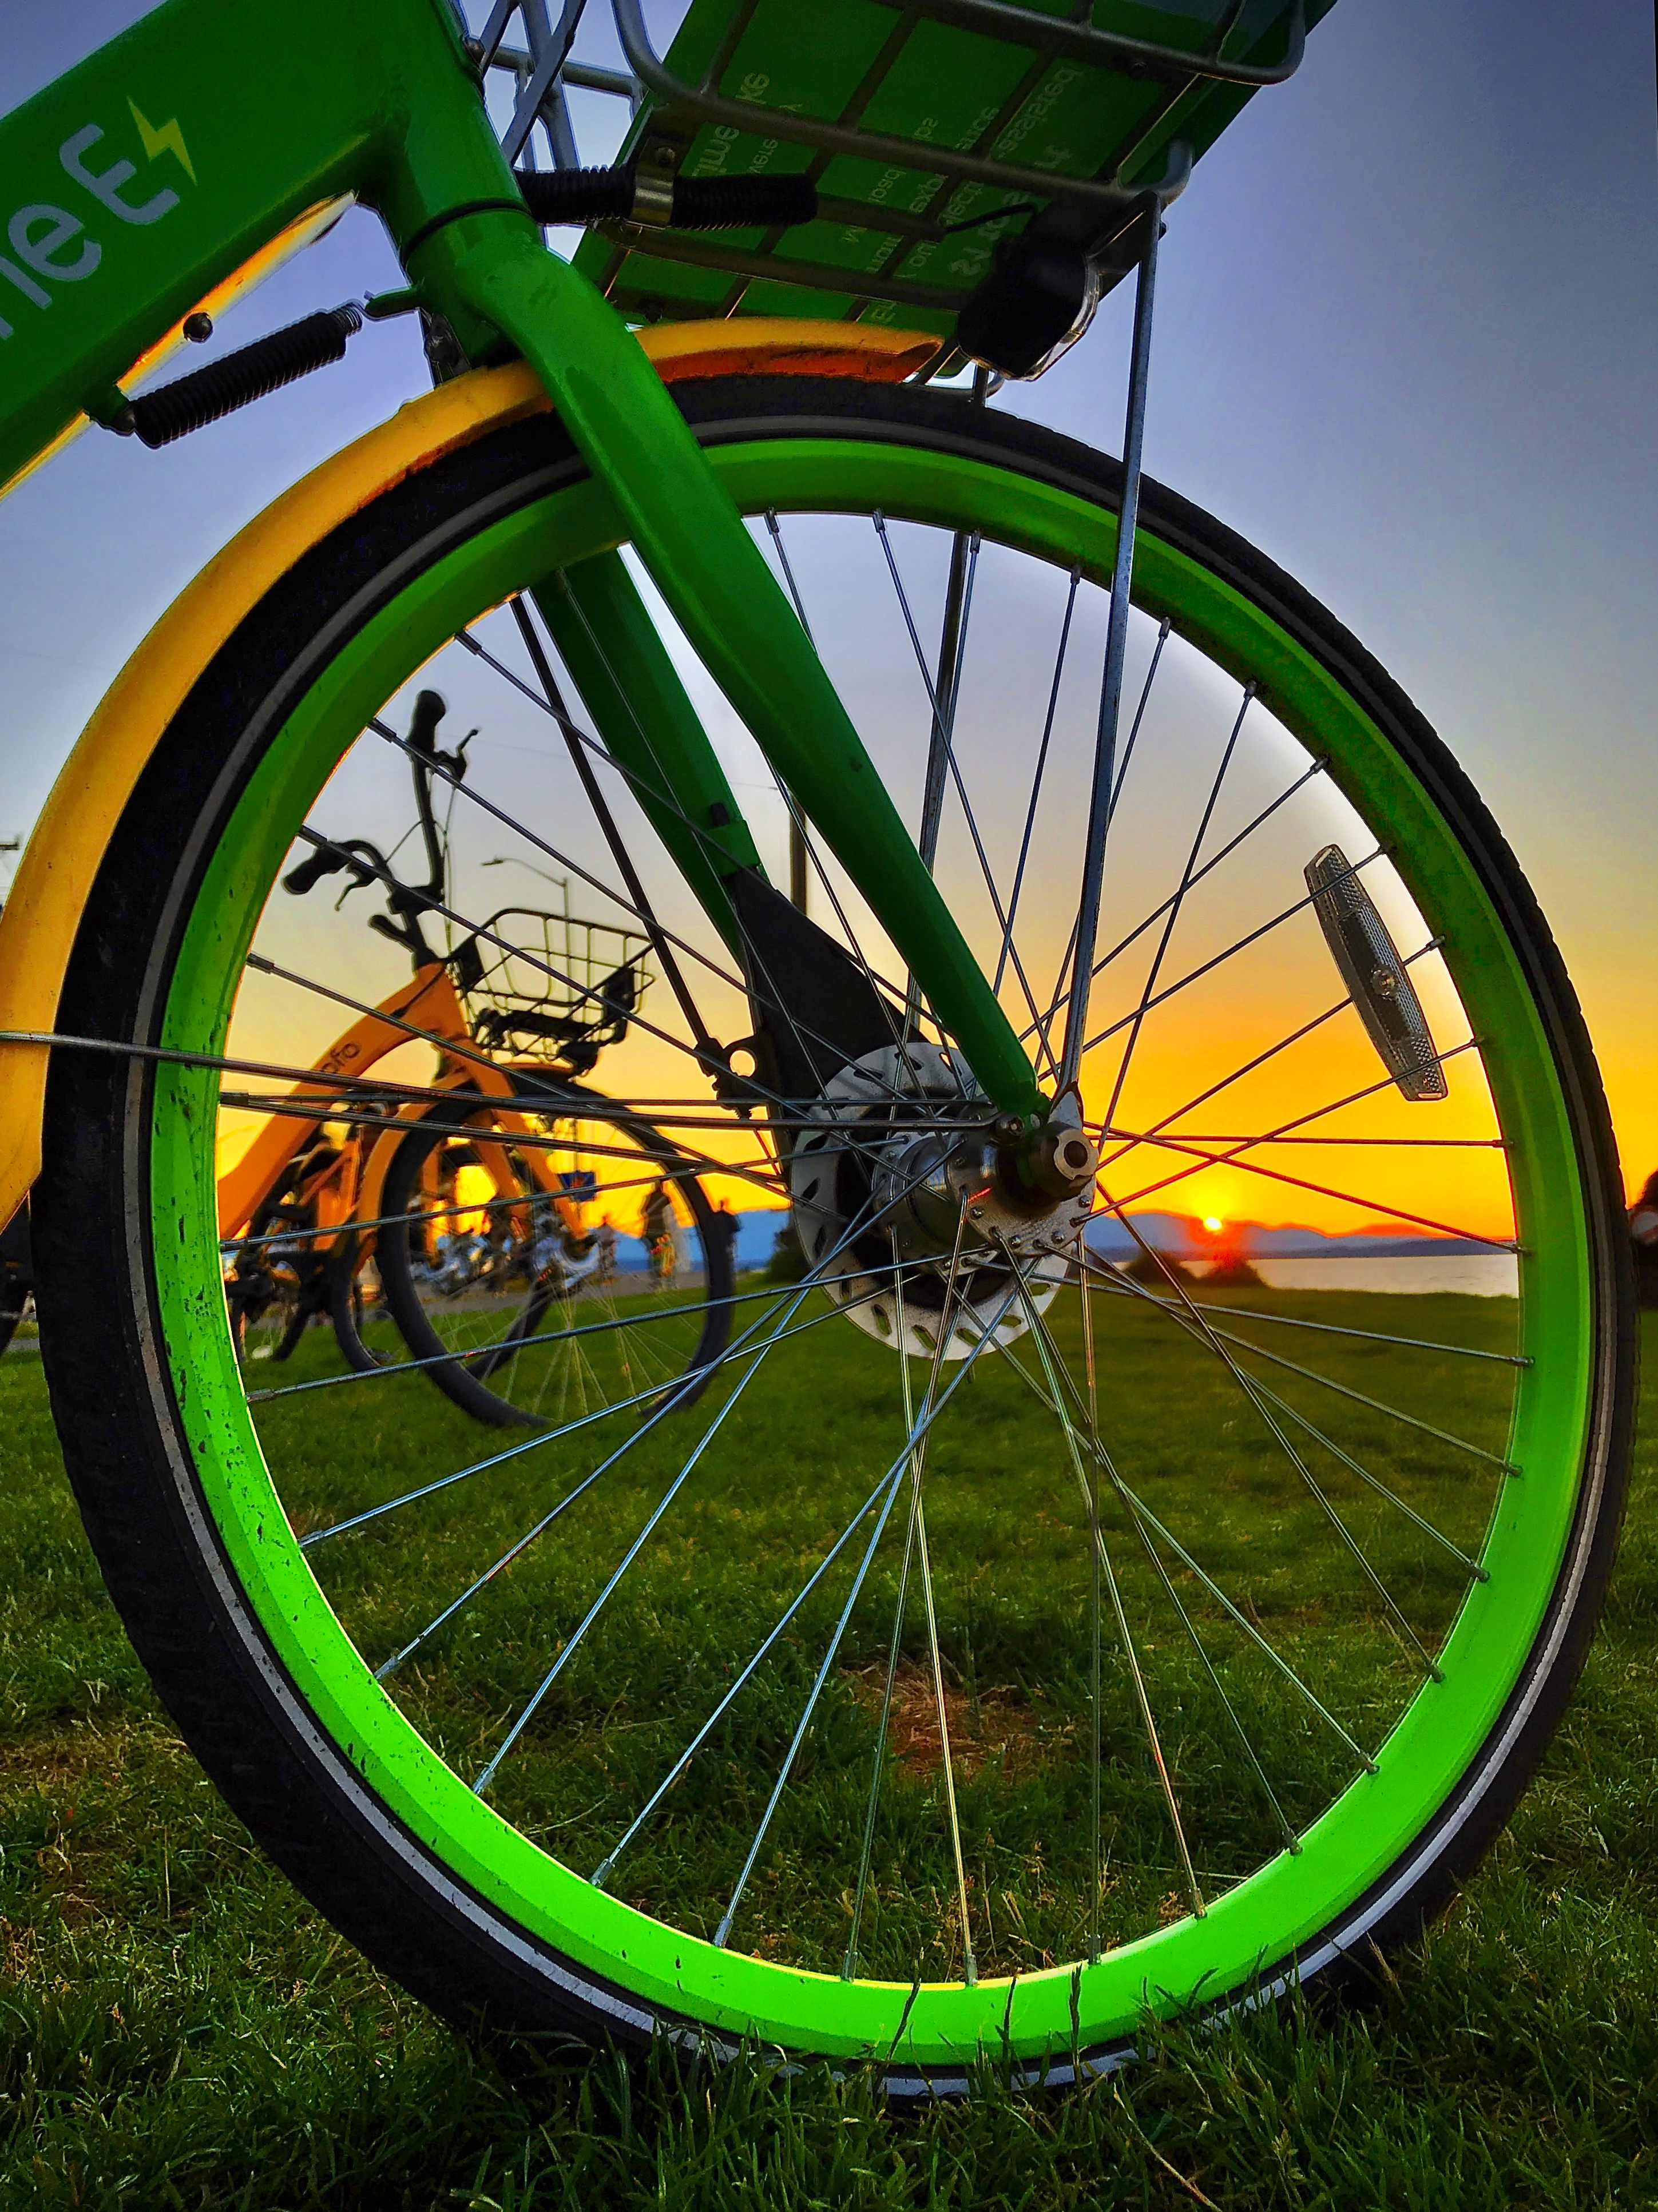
(178, 2029)
(1007, 1535)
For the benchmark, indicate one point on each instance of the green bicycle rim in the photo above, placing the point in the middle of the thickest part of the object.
(1287, 1903)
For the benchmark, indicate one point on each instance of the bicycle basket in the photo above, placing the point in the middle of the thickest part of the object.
(931, 129)
(550, 988)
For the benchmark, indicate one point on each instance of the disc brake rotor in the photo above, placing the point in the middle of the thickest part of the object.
(897, 1149)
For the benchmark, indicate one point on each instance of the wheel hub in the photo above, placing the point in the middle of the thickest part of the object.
(902, 1155)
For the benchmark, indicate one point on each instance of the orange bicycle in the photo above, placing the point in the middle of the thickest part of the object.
(467, 1231)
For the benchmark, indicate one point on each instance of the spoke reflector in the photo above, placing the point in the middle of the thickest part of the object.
(1373, 973)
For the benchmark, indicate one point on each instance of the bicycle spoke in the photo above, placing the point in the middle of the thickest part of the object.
(1365, 1335)
(849, 1962)
(1124, 764)
(1291, 1841)
(1230, 952)
(1142, 1512)
(917, 1471)
(888, 1484)
(1470, 1566)
(1047, 738)
(1147, 998)
(574, 1641)
(1214, 1339)
(1319, 1189)
(943, 715)
(1286, 1132)
(1096, 1678)
(1061, 994)
(1388, 1143)
(1140, 1293)
(1249, 1067)
(1375, 1405)
(787, 1768)
(1040, 1336)
(516, 1550)
(730, 1914)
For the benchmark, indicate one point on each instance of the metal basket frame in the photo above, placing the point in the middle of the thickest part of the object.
(558, 977)
(1105, 205)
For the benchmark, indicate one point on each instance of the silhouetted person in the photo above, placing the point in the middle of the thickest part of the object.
(604, 1250)
(1643, 1238)
(658, 1225)
(722, 1232)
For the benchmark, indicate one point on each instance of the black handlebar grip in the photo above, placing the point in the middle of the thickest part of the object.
(309, 874)
(742, 203)
(430, 707)
(576, 195)
(699, 202)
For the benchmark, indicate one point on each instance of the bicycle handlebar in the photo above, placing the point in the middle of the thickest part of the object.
(309, 874)
(408, 901)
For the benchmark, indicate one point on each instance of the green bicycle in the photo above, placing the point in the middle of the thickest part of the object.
(1003, 1636)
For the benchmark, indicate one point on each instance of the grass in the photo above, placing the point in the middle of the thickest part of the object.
(1007, 1536)
(177, 2029)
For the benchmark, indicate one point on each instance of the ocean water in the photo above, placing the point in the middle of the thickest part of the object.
(1479, 1275)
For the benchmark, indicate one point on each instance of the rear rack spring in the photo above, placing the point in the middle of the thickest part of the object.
(190, 402)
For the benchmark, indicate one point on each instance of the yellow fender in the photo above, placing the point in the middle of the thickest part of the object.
(55, 877)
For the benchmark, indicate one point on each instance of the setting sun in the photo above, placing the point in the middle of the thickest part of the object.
(1213, 1222)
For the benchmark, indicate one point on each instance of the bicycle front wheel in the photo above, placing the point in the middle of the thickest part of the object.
(1021, 1630)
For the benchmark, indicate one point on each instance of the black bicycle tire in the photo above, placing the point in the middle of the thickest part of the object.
(465, 1382)
(160, 1555)
(288, 1342)
(343, 1300)
(17, 1286)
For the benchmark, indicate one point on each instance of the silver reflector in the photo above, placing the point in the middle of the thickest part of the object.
(1375, 975)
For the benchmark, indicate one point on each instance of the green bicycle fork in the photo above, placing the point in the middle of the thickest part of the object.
(689, 533)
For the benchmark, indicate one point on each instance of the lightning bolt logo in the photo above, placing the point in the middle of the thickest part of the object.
(169, 139)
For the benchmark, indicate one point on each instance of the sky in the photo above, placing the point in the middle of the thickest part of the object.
(1406, 343)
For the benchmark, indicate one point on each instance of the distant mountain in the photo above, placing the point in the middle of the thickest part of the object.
(1182, 1236)
(1179, 1235)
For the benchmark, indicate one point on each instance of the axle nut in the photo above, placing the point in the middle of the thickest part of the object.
(1063, 1162)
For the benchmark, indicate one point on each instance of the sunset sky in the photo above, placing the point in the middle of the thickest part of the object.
(1407, 344)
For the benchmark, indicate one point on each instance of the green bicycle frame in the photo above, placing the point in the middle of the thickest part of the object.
(163, 163)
